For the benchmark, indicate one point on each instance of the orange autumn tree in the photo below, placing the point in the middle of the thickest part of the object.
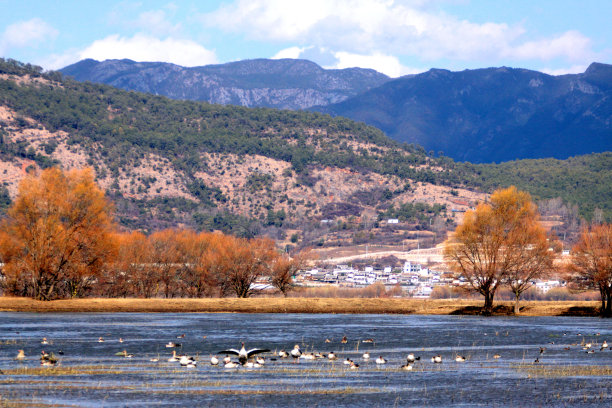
(241, 262)
(500, 242)
(197, 254)
(591, 264)
(56, 239)
(134, 273)
(166, 259)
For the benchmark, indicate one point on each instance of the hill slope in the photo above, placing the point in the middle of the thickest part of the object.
(168, 163)
(284, 84)
(493, 114)
(323, 180)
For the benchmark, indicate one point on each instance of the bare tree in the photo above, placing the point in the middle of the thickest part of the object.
(591, 266)
(284, 269)
(532, 259)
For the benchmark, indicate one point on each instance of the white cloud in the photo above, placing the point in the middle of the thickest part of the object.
(28, 33)
(574, 69)
(387, 64)
(402, 28)
(571, 45)
(155, 22)
(291, 52)
(140, 47)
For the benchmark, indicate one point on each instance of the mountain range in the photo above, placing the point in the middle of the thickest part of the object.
(282, 84)
(482, 116)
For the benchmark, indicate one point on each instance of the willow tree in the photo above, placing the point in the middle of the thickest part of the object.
(496, 243)
(240, 262)
(591, 263)
(57, 236)
(530, 248)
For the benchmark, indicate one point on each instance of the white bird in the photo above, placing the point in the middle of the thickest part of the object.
(100, 340)
(411, 358)
(214, 360)
(227, 359)
(381, 360)
(296, 352)
(332, 356)
(460, 359)
(283, 354)
(407, 367)
(348, 361)
(604, 346)
(174, 358)
(20, 355)
(436, 359)
(44, 341)
(366, 356)
(260, 360)
(187, 361)
(244, 354)
(354, 366)
(308, 356)
(231, 364)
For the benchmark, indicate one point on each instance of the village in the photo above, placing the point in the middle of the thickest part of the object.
(414, 280)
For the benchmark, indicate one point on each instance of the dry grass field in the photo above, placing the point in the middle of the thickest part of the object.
(297, 305)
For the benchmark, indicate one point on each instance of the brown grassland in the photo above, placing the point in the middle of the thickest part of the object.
(298, 305)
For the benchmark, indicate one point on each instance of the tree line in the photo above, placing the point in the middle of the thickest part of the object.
(59, 241)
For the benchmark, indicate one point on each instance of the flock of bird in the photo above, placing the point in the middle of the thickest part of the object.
(251, 358)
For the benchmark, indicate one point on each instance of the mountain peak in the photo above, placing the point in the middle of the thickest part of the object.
(598, 67)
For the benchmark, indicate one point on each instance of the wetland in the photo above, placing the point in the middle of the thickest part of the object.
(90, 374)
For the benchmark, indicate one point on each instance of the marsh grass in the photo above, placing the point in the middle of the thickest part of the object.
(542, 370)
(74, 371)
(314, 391)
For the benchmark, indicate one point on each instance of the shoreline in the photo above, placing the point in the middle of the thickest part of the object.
(297, 305)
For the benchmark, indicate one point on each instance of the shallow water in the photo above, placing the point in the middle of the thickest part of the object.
(90, 375)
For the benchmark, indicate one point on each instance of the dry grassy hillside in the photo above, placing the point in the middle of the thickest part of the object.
(323, 205)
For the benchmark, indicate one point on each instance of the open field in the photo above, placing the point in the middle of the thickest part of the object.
(298, 305)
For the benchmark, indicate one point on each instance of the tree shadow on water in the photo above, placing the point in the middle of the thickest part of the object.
(499, 310)
(581, 311)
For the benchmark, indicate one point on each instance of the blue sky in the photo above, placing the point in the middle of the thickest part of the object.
(392, 36)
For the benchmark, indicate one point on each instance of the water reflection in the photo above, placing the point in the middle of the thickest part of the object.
(89, 371)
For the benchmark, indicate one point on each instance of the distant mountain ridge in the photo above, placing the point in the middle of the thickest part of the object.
(283, 83)
(492, 114)
(482, 116)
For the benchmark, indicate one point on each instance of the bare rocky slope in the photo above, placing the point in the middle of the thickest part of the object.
(284, 84)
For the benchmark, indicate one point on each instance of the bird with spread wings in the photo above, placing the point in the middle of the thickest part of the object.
(244, 354)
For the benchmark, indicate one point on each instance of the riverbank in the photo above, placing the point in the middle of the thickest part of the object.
(296, 305)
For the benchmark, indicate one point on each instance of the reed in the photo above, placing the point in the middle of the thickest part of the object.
(535, 371)
(296, 305)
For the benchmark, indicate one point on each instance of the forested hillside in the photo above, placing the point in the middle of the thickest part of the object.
(492, 114)
(303, 177)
